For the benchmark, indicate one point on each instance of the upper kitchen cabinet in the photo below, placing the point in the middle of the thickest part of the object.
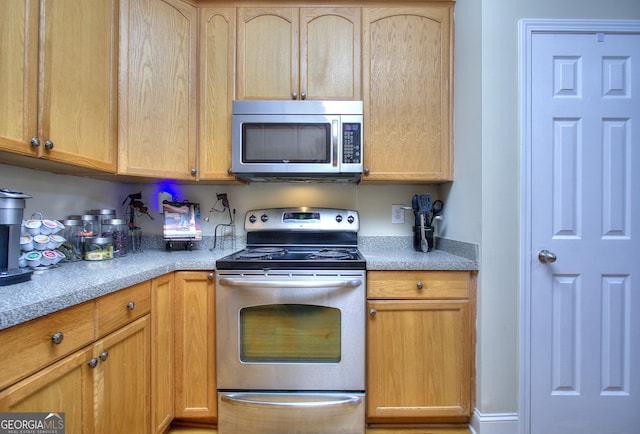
(407, 93)
(59, 75)
(299, 53)
(217, 80)
(158, 81)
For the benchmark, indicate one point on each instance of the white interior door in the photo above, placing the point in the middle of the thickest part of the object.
(583, 256)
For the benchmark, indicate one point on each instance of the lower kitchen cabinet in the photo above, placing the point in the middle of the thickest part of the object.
(419, 347)
(103, 385)
(103, 388)
(195, 346)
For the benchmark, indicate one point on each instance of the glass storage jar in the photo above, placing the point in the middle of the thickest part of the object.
(118, 230)
(97, 248)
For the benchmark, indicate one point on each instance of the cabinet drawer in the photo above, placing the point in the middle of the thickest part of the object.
(121, 307)
(30, 346)
(418, 284)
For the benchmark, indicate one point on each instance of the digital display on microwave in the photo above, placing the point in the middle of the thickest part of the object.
(286, 142)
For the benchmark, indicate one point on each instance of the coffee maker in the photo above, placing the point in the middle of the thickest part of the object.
(12, 204)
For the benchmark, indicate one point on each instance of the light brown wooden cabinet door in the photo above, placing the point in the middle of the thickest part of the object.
(61, 84)
(162, 352)
(65, 387)
(158, 81)
(418, 361)
(217, 80)
(195, 346)
(407, 93)
(298, 53)
(19, 72)
(122, 392)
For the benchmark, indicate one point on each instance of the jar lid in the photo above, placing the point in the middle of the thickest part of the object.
(90, 217)
(103, 211)
(72, 222)
(100, 240)
(114, 222)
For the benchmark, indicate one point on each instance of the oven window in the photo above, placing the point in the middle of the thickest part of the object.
(290, 333)
(295, 143)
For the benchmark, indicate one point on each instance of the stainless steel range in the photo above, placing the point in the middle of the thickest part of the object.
(290, 318)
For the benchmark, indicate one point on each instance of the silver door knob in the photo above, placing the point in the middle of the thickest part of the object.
(546, 257)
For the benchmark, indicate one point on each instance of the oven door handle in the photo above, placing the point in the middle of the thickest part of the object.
(317, 401)
(270, 284)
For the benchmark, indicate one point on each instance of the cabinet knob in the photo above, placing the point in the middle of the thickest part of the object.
(194, 172)
(294, 95)
(366, 171)
(103, 356)
(303, 95)
(419, 285)
(372, 312)
(35, 142)
(131, 305)
(57, 338)
(93, 363)
(230, 171)
(48, 144)
(210, 276)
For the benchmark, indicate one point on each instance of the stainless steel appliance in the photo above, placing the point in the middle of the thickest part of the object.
(12, 204)
(290, 325)
(297, 140)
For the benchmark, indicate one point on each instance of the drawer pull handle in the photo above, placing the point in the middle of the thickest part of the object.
(372, 312)
(93, 363)
(419, 285)
(103, 356)
(131, 305)
(57, 338)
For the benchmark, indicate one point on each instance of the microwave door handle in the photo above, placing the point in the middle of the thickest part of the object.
(334, 139)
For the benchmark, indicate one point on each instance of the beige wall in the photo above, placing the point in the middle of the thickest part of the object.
(58, 196)
(487, 103)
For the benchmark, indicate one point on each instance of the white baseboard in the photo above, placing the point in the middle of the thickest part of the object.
(494, 423)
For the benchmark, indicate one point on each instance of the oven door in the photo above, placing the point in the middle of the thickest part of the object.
(290, 330)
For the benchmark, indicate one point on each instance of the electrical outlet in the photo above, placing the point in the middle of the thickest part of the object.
(397, 214)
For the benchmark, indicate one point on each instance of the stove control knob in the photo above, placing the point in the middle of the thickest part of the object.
(264, 218)
(338, 218)
(252, 218)
(351, 219)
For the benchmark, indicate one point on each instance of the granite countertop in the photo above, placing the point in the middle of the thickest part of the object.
(75, 282)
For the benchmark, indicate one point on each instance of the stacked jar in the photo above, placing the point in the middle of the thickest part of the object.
(72, 232)
(116, 229)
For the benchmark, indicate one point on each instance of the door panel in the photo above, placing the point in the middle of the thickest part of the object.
(585, 177)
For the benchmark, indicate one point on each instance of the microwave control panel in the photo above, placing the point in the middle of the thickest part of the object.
(351, 146)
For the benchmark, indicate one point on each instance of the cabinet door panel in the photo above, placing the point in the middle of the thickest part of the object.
(407, 96)
(19, 72)
(162, 352)
(217, 78)
(330, 53)
(424, 373)
(78, 79)
(64, 387)
(122, 381)
(195, 346)
(267, 53)
(157, 135)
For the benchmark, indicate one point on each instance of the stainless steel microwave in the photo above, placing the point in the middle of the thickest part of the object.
(297, 140)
